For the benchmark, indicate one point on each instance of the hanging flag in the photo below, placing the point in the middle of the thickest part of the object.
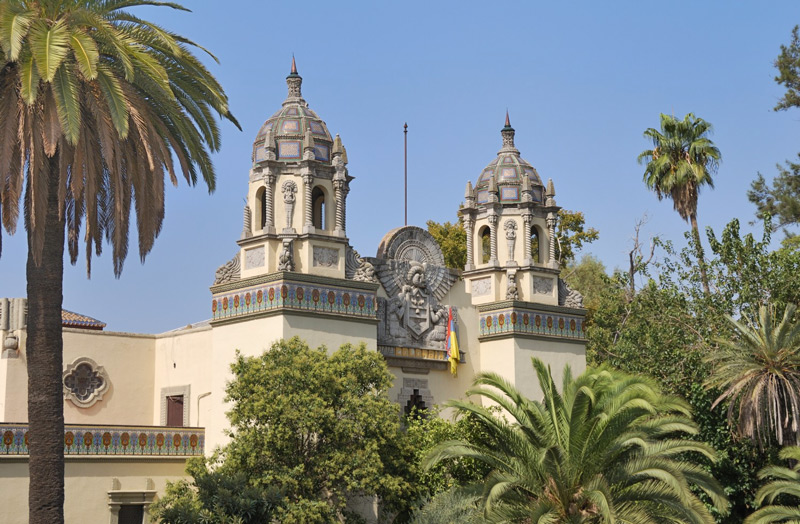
(451, 343)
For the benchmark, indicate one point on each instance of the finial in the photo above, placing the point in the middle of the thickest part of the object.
(337, 145)
(469, 193)
(508, 135)
(492, 185)
(550, 193)
(294, 81)
(344, 155)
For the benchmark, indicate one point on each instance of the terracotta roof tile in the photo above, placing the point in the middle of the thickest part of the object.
(71, 319)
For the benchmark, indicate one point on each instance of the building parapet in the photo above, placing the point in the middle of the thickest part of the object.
(517, 318)
(104, 440)
(295, 292)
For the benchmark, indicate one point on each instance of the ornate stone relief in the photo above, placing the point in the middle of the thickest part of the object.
(511, 291)
(542, 286)
(230, 271)
(411, 269)
(84, 382)
(567, 296)
(325, 257)
(286, 256)
(356, 268)
(289, 190)
(482, 286)
(254, 257)
(510, 227)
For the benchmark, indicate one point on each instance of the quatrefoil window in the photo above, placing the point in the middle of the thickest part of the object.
(84, 382)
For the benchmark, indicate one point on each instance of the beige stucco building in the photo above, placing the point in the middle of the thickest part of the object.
(294, 273)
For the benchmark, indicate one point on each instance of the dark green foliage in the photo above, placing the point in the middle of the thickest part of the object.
(425, 433)
(218, 496)
(668, 328)
(601, 447)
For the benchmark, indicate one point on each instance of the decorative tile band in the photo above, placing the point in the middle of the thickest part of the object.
(112, 440)
(300, 296)
(532, 322)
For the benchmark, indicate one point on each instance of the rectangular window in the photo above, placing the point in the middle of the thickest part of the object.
(175, 411)
(131, 514)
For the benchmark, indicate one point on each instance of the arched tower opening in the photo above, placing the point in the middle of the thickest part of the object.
(318, 208)
(485, 235)
(537, 245)
(259, 216)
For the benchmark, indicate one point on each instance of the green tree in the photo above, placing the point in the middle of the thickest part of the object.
(94, 104)
(784, 487)
(759, 370)
(425, 433)
(744, 273)
(782, 200)
(217, 495)
(571, 235)
(452, 239)
(319, 428)
(603, 449)
(681, 162)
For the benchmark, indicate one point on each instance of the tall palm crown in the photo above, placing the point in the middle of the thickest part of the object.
(759, 371)
(111, 97)
(94, 103)
(784, 486)
(606, 449)
(682, 160)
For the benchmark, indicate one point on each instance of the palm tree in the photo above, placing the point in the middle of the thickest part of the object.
(759, 371)
(681, 162)
(786, 483)
(94, 103)
(607, 449)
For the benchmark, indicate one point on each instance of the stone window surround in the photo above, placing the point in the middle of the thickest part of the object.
(118, 498)
(97, 394)
(170, 392)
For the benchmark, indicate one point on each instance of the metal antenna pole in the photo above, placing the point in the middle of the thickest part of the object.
(405, 169)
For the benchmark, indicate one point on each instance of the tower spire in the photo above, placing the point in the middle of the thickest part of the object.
(508, 135)
(294, 81)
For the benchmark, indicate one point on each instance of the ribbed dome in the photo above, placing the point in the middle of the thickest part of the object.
(286, 129)
(508, 171)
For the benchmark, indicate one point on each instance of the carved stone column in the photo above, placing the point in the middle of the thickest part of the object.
(269, 203)
(345, 192)
(469, 226)
(551, 231)
(526, 220)
(247, 226)
(339, 183)
(308, 224)
(493, 219)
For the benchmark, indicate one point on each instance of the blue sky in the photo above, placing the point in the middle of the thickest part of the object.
(581, 80)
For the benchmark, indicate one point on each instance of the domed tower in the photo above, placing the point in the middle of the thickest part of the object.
(523, 308)
(295, 217)
(510, 218)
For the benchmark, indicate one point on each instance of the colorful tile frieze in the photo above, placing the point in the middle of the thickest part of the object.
(300, 296)
(532, 322)
(112, 440)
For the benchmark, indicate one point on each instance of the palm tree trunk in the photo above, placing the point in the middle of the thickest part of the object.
(44, 352)
(701, 257)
